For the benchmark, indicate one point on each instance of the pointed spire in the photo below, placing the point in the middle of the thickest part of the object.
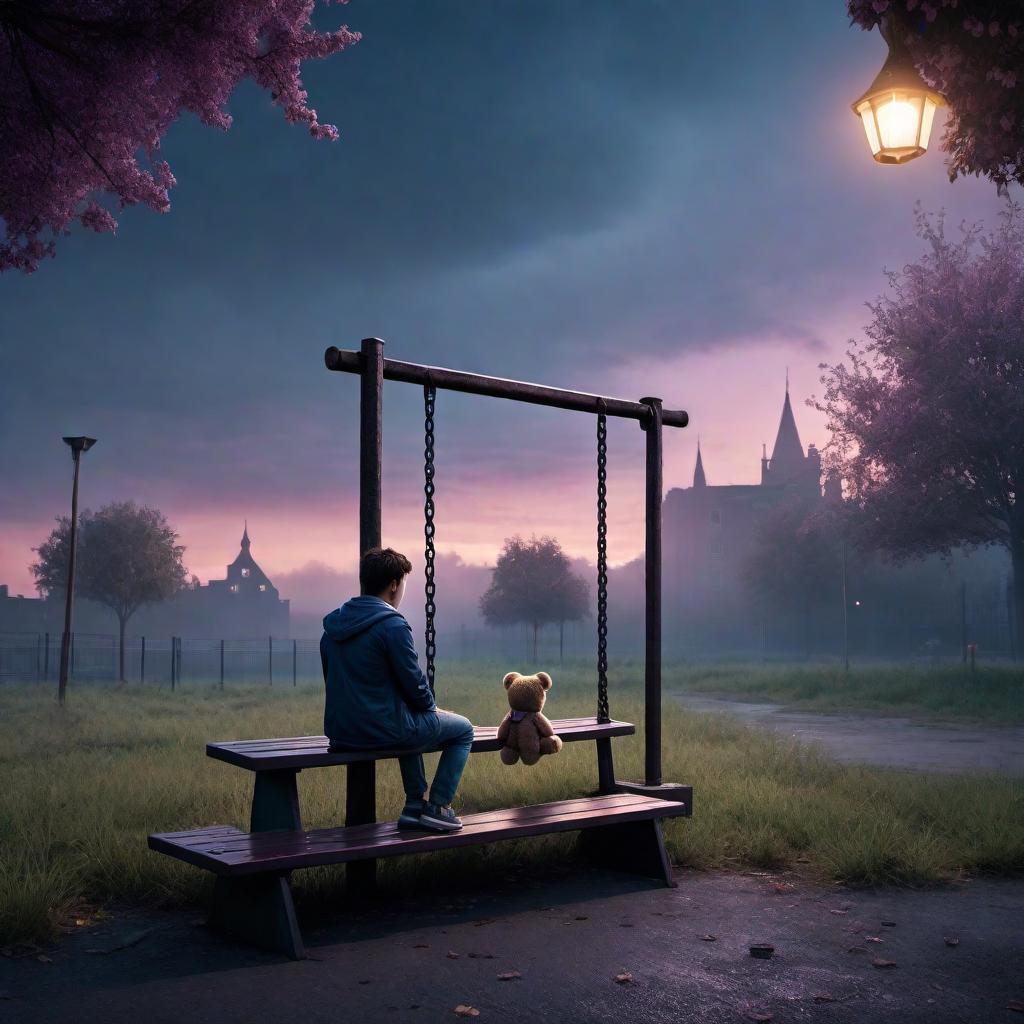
(245, 536)
(699, 479)
(788, 454)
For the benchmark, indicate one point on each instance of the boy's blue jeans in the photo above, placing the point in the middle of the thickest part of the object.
(453, 734)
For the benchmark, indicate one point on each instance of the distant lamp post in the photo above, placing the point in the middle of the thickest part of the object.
(77, 445)
(898, 109)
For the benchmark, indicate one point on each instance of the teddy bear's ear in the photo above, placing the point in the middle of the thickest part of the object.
(510, 679)
(545, 680)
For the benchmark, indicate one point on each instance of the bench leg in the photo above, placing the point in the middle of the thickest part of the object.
(258, 910)
(275, 801)
(634, 846)
(605, 768)
(360, 809)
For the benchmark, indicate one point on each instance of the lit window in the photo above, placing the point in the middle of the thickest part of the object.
(245, 573)
(263, 586)
(234, 588)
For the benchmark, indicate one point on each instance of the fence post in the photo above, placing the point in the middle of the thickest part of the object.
(179, 660)
(963, 619)
(174, 651)
(46, 660)
(142, 662)
(39, 658)
(222, 664)
(270, 660)
(295, 658)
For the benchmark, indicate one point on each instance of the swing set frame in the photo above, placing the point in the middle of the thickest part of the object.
(373, 369)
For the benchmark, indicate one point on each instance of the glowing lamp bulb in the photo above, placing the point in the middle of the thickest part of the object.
(898, 109)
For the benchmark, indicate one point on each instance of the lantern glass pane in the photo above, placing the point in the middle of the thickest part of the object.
(867, 116)
(926, 123)
(899, 120)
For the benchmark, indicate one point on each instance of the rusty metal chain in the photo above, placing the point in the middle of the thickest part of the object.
(429, 395)
(602, 563)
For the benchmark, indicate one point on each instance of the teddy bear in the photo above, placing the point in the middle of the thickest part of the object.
(524, 732)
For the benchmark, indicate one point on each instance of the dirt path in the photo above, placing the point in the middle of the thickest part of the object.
(568, 932)
(888, 742)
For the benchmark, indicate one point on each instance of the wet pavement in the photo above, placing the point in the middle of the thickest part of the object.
(883, 741)
(566, 932)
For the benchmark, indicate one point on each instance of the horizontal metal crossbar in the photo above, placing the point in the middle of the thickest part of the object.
(347, 361)
(228, 851)
(314, 751)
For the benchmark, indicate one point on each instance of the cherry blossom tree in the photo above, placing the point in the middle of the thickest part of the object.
(90, 87)
(927, 418)
(971, 51)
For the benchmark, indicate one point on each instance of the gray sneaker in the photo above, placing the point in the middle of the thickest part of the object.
(439, 819)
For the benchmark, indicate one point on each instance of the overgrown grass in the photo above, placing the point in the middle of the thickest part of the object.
(989, 694)
(83, 787)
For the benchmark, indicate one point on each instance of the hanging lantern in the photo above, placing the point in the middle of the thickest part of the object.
(898, 109)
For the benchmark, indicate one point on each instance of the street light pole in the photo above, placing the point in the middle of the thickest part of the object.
(77, 445)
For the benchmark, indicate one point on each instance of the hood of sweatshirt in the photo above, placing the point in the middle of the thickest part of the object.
(356, 616)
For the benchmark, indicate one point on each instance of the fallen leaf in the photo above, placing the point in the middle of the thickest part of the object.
(803, 860)
(1017, 1005)
(709, 937)
(625, 924)
(465, 1010)
(364, 981)
(951, 940)
(452, 955)
(509, 975)
(421, 945)
(879, 962)
(824, 997)
(759, 1015)
(838, 911)
(873, 938)
(783, 886)
(857, 949)
(582, 917)
(44, 959)
(623, 978)
(482, 956)
(888, 924)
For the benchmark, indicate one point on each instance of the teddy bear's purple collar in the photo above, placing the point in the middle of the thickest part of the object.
(518, 716)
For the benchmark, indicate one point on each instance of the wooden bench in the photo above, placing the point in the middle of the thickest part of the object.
(252, 897)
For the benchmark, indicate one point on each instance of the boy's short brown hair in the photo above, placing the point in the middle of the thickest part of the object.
(379, 566)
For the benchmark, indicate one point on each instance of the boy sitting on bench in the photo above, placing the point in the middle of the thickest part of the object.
(378, 697)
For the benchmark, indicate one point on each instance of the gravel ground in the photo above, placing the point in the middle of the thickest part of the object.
(953, 954)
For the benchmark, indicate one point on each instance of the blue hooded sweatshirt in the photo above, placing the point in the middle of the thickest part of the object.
(375, 686)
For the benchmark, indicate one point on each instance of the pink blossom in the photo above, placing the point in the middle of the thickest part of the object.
(91, 86)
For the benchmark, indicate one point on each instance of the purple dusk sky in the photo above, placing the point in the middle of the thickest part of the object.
(660, 197)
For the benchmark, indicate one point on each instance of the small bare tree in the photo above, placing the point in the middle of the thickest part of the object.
(127, 557)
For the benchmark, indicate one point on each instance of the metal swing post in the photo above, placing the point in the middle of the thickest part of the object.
(361, 790)
(652, 784)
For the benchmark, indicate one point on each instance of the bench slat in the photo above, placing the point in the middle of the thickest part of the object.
(228, 851)
(313, 751)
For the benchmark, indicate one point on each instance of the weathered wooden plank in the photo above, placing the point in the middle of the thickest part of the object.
(238, 853)
(314, 752)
